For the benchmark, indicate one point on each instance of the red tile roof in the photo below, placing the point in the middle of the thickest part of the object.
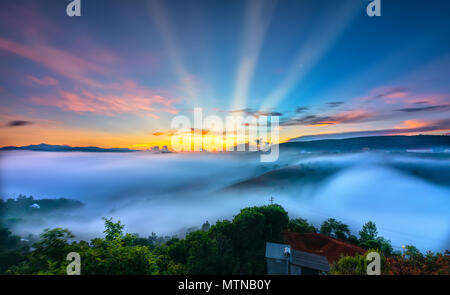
(320, 244)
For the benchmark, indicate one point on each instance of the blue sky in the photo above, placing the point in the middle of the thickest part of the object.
(118, 74)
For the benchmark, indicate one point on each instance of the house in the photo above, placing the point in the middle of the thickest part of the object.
(333, 249)
(35, 206)
(283, 260)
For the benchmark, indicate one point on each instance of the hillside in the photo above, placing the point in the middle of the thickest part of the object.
(395, 143)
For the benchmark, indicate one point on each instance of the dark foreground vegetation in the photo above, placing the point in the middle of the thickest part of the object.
(227, 247)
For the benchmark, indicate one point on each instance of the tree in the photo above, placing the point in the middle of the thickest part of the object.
(11, 249)
(369, 239)
(53, 243)
(49, 255)
(368, 232)
(333, 228)
(203, 255)
(114, 257)
(412, 252)
(252, 228)
(206, 226)
(223, 233)
(7, 240)
(300, 225)
(113, 230)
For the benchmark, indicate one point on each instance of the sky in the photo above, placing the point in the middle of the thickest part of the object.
(117, 75)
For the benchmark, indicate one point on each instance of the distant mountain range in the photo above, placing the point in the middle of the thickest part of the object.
(64, 148)
(392, 142)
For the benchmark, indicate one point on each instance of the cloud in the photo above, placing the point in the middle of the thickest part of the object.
(314, 120)
(299, 110)
(433, 126)
(425, 109)
(18, 123)
(138, 101)
(59, 61)
(252, 112)
(192, 131)
(412, 124)
(402, 95)
(390, 92)
(44, 81)
(164, 133)
(87, 70)
(334, 104)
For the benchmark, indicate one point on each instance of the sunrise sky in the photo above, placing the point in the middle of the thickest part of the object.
(117, 75)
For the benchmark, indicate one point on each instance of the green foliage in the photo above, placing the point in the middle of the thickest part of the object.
(336, 229)
(113, 230)
(7, 240)
(368, 232)
(252, 228)
(349, 265)
(353, 239)
(356, 265)
(369, 239)
(11, 249)
(227, 247)
(166, 264)
(53, 242)
(206, 226)
(9, 259)
(203, 255)
(100, 257)
(412, 252)
(235, 247)
(300, 225)
(48, 256)
(114, 257)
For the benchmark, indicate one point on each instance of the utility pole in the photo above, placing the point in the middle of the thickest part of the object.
(271, 200)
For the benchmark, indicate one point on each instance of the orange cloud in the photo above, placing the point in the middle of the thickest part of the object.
(409, 124)
(173, 132)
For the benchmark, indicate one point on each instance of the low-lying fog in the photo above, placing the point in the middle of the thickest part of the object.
(168, 193)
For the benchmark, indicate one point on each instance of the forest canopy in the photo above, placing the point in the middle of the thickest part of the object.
(234, 246)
